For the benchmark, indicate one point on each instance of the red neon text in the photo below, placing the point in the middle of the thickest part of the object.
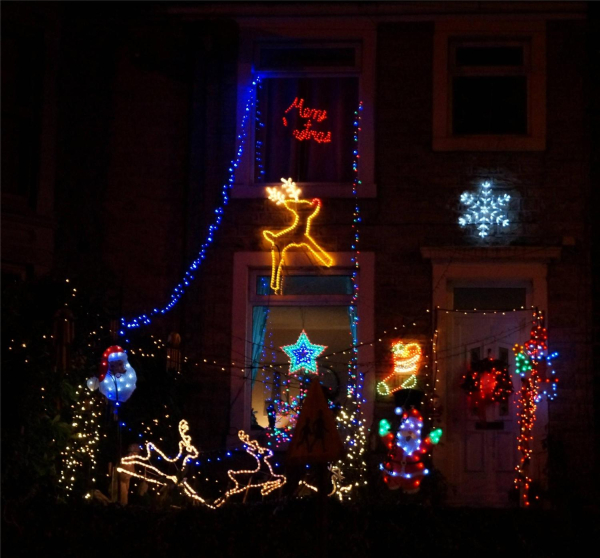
(310, 115)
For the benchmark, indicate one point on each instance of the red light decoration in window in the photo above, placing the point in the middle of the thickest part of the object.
(308, 114)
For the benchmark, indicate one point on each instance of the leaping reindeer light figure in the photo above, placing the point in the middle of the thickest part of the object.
(298, 234)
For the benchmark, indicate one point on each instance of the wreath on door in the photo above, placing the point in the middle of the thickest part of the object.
(487, 381)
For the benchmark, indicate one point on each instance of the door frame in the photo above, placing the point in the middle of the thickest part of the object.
(493, 266)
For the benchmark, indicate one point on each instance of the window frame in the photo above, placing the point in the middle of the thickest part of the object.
(245, 268)
(310, 33)
(497, 33)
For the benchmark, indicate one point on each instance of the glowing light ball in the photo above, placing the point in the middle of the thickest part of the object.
(93, 383)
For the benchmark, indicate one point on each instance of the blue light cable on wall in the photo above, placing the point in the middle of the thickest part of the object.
(259, 127)
(189, 275)
(359, 377)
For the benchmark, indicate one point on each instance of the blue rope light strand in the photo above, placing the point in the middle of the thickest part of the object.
(357, 375)
(179, 290)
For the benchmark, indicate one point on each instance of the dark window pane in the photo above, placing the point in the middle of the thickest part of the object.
(489, 298)
(489, 56)
(11, 278)
(290, 58)
(281, 154)
(263, 285)
(309, 285)
(489, 105)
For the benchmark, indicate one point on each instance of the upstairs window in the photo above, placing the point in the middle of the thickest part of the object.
(292, 142)
(311, 83)
(489, 87)
(304, 125)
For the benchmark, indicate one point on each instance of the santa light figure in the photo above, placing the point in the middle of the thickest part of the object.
(404, 468)
(117, 378)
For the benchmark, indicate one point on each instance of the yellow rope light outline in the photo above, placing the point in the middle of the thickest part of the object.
(252, 448)
(323, 257)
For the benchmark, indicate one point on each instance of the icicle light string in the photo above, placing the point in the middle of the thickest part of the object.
(413, 319)
(139, 352)
(280, 368)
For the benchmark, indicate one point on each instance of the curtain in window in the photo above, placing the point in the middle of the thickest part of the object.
(260, 316)
(306, 161)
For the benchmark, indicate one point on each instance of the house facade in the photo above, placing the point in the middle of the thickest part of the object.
(386, 114)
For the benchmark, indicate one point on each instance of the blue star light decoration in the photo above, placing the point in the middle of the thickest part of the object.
(484, 209)
(303, 354)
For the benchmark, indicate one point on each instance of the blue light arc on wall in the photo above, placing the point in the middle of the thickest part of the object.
(189, 275)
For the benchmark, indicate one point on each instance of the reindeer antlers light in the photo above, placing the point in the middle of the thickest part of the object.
(287, 190)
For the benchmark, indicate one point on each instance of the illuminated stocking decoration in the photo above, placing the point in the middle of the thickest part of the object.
(407, 357)
(533, 365)
(484, 210)
(303, 354)
(297, 235)
(404, 468)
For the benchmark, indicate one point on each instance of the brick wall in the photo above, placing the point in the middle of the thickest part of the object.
(153, 132)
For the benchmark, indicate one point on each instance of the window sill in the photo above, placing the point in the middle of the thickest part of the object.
(309, 190)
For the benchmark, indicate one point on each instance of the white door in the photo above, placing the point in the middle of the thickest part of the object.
(480, 452)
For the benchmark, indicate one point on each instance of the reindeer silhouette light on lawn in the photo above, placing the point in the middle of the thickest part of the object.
(298, 234)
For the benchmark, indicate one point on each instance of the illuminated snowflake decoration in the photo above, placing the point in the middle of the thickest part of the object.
(484, 210)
